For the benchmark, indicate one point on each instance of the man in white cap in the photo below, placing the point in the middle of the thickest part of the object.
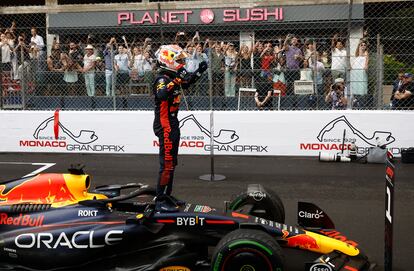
(89, 70)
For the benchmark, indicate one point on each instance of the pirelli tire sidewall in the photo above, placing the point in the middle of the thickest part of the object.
(271, 202)
(247, 250)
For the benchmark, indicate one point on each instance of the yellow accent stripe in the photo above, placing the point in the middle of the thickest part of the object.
(327, 245)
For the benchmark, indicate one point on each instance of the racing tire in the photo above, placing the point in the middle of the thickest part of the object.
(247, 250)
(269, 206)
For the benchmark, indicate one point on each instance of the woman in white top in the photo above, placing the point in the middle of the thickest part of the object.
(359, 68)
(230, 61)
(6, 52)
(136, 63)
(338, 66)
(142, 66)
(11, 41)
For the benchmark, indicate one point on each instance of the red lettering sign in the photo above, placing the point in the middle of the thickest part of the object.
(153, 17)
(21, 220)
(206, 16)
(324, 147)
(337, 235)
(255, 14)
(40, 143)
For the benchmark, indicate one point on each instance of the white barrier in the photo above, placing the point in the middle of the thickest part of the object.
(302, 133)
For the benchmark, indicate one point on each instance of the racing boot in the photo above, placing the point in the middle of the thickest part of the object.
(177, 202)
(164, 204)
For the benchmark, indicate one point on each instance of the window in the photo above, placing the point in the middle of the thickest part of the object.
(8, 3)
(76, 2)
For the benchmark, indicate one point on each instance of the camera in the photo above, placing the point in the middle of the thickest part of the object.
(332, 157)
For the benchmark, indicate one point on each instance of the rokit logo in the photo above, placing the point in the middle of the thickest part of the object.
(78, 240)
(87, 213)
(21, 220)
(342, 126)
(52, 133)
(190, 221)
(224, 140)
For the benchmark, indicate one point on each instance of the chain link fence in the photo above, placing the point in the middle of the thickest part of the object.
(315, 57)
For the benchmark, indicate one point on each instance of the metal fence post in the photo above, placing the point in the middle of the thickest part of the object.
(379, 73)
(315, 73)
(210, 79)
(113, 78)
(212, 176)
(348, 59)
(23, 79)
(160, 24)
(1, 80)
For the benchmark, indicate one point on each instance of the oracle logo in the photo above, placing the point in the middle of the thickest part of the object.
(78, 240)
(207, 16)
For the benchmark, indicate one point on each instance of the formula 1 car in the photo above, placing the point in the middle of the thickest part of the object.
(52, 221)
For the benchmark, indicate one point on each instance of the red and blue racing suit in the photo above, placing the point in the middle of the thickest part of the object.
(167, 89)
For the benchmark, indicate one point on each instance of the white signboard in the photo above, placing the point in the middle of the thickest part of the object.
(303, 87)
(299, 133)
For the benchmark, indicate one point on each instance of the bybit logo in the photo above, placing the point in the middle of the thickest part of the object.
(190, 221)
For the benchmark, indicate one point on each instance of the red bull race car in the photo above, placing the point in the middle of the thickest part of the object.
(56, 222)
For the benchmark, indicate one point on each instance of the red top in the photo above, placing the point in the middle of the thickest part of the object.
(266, 60)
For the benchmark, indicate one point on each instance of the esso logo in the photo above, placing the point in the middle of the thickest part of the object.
(207, 16)
(320, 267)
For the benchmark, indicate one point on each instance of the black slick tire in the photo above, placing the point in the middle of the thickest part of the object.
(247, 250)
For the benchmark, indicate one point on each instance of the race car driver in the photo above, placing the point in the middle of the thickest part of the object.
(171, 79)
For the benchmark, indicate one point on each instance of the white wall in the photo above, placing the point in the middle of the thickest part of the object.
(302, 133)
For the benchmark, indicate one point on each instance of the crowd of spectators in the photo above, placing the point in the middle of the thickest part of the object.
(272, 66)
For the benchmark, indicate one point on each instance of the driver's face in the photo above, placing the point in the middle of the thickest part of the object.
(181, 61)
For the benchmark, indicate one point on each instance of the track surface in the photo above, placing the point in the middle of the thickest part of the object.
(352, 194)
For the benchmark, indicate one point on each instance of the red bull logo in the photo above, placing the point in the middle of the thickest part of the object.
(303, 241)
(338, 236)
(42, 189)
(21, 220)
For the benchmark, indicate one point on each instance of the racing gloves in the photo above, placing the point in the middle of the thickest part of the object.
(202, 67)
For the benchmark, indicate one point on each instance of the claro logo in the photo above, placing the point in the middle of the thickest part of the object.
(317, 215)
(79, 240)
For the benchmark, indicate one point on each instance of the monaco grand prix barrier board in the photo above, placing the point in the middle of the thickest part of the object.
(299, 133)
